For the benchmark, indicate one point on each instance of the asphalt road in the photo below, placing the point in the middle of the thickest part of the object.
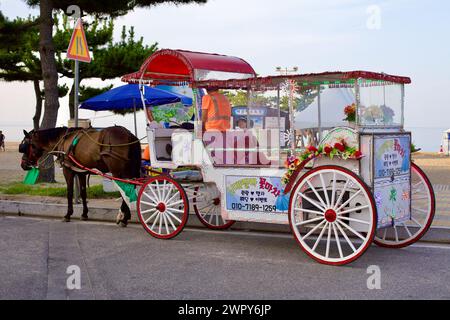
(127, 263)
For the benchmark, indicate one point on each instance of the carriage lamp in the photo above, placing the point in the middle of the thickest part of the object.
(286, 71)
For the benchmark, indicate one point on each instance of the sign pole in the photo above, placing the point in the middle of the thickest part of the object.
(75, 96)
(75, 113)
(78, 50)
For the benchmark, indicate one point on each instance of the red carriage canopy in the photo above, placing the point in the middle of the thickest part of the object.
(182, 65)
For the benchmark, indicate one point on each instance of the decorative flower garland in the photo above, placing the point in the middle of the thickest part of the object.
(340, 149)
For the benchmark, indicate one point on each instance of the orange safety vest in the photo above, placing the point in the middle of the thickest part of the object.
(218, 111)
(146, 154)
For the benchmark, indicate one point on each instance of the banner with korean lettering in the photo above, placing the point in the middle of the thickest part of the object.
(259, 194)
(392, 179)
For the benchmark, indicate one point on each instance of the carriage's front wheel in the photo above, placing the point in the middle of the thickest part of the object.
(162, 207)
(422, 213)
(332, 214)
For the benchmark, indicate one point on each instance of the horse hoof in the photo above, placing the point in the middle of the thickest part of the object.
(65, 219)
(119, 217)
(122, 224)
(84, 218)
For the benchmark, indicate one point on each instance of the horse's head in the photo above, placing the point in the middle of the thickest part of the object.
(31, 150)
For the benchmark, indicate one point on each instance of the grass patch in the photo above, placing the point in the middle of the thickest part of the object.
(93, 192)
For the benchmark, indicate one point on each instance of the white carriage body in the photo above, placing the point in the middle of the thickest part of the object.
(187, 149)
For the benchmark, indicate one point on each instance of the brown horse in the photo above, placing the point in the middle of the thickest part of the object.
(114, 149)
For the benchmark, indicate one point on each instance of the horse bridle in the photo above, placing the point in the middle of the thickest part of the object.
(29, 158)
(26, 148)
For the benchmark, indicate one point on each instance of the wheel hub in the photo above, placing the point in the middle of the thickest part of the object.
(216, 201)
(161, 207)
(330, 215)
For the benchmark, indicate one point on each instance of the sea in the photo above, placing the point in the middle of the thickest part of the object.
(427, 138)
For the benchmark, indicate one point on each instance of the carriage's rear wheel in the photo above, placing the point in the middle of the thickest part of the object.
(422, 214)
(206, 204)
(332, 214)
(162, 207)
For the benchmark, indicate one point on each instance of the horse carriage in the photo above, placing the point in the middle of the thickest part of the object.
(337, 169)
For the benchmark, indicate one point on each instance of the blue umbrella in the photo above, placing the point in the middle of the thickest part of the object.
(129, 97)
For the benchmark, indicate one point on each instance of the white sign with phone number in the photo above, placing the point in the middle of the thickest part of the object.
(260, 194)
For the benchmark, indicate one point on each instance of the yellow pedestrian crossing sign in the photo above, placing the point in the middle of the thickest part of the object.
(78, 48)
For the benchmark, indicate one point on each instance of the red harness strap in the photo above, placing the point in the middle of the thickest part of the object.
(136, 181)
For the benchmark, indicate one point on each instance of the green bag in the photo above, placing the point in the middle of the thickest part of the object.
(31, 176)
(128, 189)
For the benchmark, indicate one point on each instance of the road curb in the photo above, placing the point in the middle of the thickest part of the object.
(96, 213)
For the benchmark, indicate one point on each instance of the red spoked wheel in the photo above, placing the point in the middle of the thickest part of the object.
(206, 204)
(423, 206)
(163, 207)
(332, 214)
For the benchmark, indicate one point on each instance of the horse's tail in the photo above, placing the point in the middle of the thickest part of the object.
(134, 154)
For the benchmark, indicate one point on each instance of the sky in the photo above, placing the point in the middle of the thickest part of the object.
(404, 37)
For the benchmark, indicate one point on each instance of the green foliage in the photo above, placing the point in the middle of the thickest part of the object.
(89, 92)
(236, 98)
(125, 56)
(305, 97)
(301, 100)
(414, 148)
(62, 90)
(13, 33)
(18, 50)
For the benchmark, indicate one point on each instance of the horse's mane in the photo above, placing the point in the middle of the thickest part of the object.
(47, 136)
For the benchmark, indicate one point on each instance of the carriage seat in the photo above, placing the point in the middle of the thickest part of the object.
(170, 147)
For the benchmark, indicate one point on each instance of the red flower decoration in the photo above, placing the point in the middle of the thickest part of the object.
(327, 149)
(340, 147)
(358, 154)
(312, 149)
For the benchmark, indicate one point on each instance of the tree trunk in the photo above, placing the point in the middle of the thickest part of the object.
(50, 77)
(38, 111)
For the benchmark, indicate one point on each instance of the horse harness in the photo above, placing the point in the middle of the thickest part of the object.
(64, 159)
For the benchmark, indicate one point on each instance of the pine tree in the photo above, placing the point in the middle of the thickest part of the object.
(47, 46)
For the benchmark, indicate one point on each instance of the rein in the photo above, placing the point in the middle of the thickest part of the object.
(135, 181)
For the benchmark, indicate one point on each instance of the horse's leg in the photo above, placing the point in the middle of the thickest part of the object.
(69, 175)
(123, 222)
(83, 193)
